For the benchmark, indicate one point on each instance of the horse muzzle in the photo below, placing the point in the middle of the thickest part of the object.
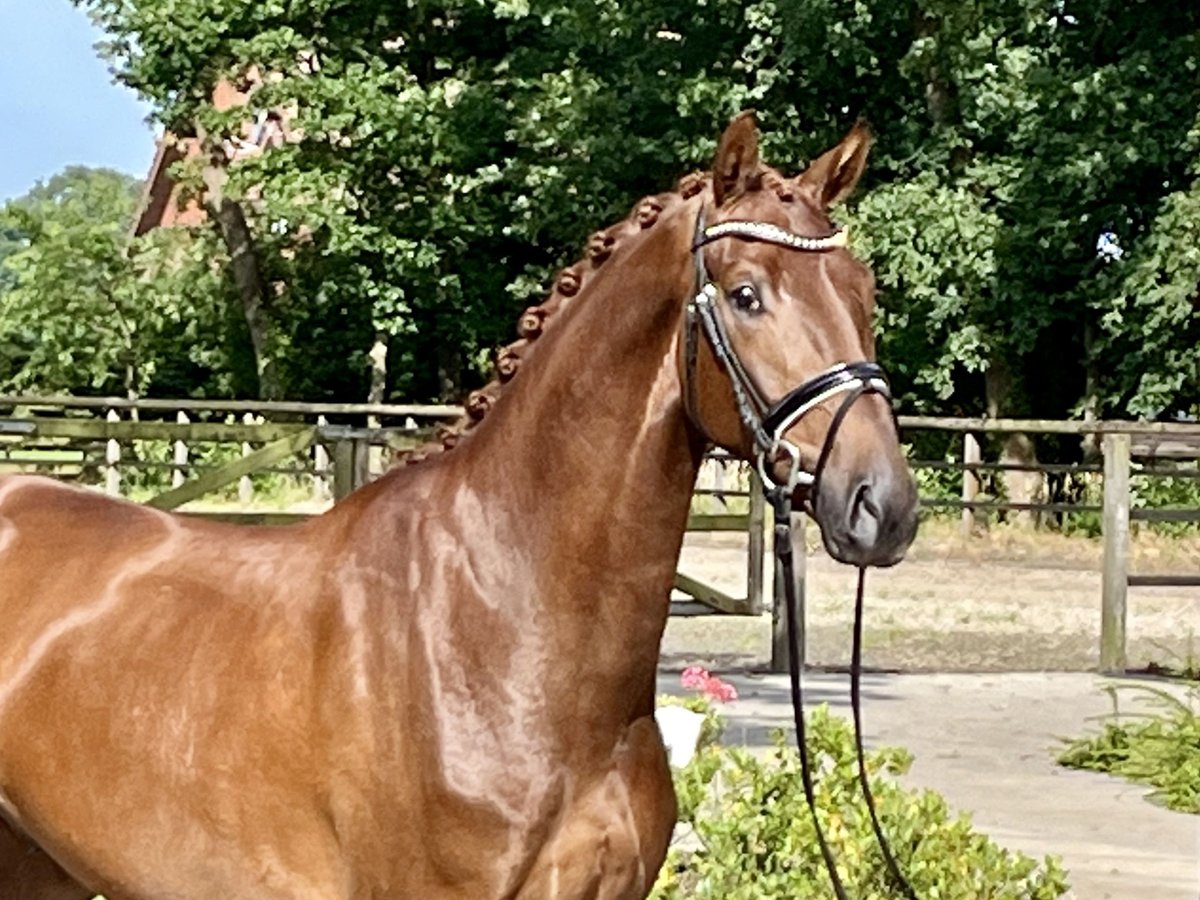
(868, 519)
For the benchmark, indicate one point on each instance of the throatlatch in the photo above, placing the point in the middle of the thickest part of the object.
(768, 423)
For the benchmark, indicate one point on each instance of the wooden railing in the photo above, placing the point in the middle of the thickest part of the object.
(1158, 444)
(337, 447)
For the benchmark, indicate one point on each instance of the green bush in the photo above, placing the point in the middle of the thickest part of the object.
(1160, 749)
(756, 839)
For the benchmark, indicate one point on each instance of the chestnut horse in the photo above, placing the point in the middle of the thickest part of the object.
(443, 687)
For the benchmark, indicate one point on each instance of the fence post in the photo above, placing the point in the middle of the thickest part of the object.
(1115, 580)
(343, 468)
(970, 481)
(374, 452)
(112, 459)
(757, 540)
(180, 458)
(351, 466)
(320, 485)
(362, 462)
(245, 484)
(780, 646)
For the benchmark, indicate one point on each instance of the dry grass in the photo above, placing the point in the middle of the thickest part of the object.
(1150, 550)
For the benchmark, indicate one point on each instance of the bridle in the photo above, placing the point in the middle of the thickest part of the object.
(767, 423)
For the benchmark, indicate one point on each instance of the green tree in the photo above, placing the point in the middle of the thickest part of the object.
(453, 153)
(64, 314)
(11, 240)
(87, 309)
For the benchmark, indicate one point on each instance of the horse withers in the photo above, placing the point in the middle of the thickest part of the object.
(443, 688)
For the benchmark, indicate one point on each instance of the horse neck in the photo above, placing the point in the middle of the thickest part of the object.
(587, 463)
(594, 422)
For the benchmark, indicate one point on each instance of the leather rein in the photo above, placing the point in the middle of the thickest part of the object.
(767, 423)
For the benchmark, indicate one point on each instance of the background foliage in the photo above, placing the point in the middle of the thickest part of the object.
(85, 308)
(454, 153)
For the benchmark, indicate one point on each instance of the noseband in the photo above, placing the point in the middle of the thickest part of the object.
(767, 423)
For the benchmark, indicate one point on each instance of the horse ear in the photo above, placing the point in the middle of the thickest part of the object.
(736, 166)
(835, 173)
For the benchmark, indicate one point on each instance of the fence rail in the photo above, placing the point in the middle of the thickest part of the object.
(1049, 426)
(275, 407)
(104, 439)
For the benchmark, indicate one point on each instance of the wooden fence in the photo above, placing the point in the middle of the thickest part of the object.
(1160, 447)
(335, 448)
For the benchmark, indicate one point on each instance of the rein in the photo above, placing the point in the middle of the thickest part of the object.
(768, 423)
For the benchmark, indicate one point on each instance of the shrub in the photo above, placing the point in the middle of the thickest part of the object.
(756, 839)
(1160, 749)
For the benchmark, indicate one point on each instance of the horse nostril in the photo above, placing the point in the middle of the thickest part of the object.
(864, 515)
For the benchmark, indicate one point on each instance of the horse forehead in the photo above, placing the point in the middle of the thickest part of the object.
(799, 213)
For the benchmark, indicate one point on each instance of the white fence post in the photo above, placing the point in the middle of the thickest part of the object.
(245, 484)
(1115, 580)
(970, 481)
(180, 456)
(320, 483)
(374, 451)
(112, 459)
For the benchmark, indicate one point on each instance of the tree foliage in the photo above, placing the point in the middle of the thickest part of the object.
(84, 308)
(66, 319)
(451, 154)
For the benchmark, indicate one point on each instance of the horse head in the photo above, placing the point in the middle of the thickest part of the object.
(778, 356)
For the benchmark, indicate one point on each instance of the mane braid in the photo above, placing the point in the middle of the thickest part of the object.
(535, 321)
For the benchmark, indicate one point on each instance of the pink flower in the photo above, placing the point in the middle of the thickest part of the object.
(696, 678)
(721, 691)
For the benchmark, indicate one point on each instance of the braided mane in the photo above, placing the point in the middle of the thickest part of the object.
(534, 322)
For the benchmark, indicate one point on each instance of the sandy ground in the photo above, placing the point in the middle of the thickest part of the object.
(1005, 602)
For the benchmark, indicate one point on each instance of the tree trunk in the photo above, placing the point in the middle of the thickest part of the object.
(1015, 449)
(1091, 393)
(937, 89)
(940, 93)
(450, 372)
(378, 357)
(230, 221)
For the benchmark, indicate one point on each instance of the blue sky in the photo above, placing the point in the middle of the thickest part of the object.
(58, 103)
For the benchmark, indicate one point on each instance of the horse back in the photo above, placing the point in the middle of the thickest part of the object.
(140, 649)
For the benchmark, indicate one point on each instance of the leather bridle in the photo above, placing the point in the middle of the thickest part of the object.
(767, 423)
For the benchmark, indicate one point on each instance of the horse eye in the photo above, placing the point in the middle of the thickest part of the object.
(745, 298)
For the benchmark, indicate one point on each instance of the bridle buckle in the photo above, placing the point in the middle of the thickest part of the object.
(797, 477)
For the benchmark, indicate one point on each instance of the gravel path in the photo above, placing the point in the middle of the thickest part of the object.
(1006, 603)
